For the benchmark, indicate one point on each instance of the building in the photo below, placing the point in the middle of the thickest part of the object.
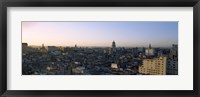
(114, 66)
(135, 51)
(24, 48)
(52, 48)
(78, 70)
(154, 66)
(149, 51)
(113, 46)
(24, 44)
(43, 49)
(43, 46)
(174, 52)
(172, 67)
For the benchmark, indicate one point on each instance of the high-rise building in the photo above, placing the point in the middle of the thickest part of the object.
(149, 51)
(135, 51)
(172, 67)
(174, 52)
(113, 46)
(154, 66)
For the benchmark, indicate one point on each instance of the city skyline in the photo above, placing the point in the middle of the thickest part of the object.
(100, 34)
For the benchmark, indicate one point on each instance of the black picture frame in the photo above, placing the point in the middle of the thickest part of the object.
(99, 3)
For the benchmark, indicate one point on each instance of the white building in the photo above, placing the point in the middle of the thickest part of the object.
(114, 66)
(149, 51)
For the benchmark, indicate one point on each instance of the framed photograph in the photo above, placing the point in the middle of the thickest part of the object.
(123, 48)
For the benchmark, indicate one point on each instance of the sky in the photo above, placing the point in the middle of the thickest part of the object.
(102, 34)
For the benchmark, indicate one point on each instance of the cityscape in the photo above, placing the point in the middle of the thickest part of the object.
(99, 48)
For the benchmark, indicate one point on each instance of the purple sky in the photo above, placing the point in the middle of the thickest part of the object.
(125, 34)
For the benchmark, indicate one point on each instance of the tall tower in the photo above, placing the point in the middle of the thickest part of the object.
(149, 49)
(113, 44)
(113, 47)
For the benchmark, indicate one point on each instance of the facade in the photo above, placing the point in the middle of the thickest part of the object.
(172, 67)
(135, 51)
(149, 51)
(174, 52)
(155, 66)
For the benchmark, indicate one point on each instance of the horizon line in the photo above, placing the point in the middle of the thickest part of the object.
(106, 46)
